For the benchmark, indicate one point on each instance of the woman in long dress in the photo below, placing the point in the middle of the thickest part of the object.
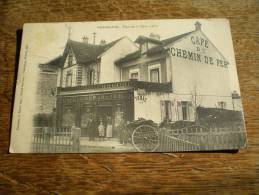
(101, 130)
(109, 128)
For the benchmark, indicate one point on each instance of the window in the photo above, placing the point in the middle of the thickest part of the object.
(167, 109)
(70, 58)
(222, 105)
(185, 110)
(69, 80)
(91, 77)
(154, 75)
(134, 75)
(144, 47)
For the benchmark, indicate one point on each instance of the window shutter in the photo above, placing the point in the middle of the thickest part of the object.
(191, 111)
(170, 109)
(162, 107)
(179, 110)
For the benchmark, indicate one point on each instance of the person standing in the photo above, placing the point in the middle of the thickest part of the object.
(109, 127)
(91, 129)
(101, 130)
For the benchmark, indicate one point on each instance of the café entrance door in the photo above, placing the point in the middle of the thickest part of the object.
(105, 114)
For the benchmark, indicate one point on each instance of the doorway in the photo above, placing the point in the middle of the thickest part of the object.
(105, 114)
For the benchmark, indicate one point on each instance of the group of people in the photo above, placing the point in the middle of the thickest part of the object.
(100, 128)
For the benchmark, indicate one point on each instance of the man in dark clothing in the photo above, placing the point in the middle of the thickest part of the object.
(91, 129)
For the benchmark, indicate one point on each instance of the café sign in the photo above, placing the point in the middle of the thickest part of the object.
(200, 44)
(141, 96)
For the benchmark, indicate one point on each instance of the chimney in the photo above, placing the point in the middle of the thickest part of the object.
(85, 39)
(94, 37)
(197, 25)
(102, 42)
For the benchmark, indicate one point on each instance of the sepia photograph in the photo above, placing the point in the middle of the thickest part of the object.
(127, 86)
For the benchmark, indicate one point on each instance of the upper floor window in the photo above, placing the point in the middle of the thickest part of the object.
(70, 58)
(154, 73)
(69, 80)
(134, 74)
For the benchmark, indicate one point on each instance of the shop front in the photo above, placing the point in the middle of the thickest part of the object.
(113, 108)
(112, 103)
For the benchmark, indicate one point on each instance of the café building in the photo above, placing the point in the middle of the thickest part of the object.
(149, 78)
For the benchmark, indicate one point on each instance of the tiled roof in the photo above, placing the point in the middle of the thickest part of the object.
(85, 53)
(175, 38)
(130, 56)
(155, 50)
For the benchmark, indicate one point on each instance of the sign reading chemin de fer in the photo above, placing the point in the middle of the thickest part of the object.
(198, 42)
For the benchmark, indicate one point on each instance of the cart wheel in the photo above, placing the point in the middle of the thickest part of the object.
(145, 138)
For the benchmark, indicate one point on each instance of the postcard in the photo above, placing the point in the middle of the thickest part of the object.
(127, 86)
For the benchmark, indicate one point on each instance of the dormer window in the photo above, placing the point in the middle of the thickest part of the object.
(143, 47)
(146, 43)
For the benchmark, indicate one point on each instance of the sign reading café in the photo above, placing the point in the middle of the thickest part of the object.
(200, 44)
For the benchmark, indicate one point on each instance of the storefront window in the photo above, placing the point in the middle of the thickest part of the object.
(222, 105)
(68, 118)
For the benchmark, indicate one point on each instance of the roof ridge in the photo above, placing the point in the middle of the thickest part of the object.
(174, 38)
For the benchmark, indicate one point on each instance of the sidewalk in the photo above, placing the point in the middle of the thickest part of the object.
(109, 145)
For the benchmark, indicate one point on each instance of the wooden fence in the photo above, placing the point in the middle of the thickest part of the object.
(46, 140)
(195, 138)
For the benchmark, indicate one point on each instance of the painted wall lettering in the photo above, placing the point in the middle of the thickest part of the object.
(198, 41)
(189, 55)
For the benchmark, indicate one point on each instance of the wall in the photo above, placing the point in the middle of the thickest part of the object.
(109, 72)
(46, 92)
(73, 70)
(142, 64)
(210, 81)
(150, 109)
(63, 72)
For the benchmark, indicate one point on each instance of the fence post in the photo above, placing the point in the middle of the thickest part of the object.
(76, 132)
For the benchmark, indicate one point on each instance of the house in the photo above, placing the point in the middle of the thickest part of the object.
(149, 78)
(197, 71)
(46, 88)
(89, 82)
